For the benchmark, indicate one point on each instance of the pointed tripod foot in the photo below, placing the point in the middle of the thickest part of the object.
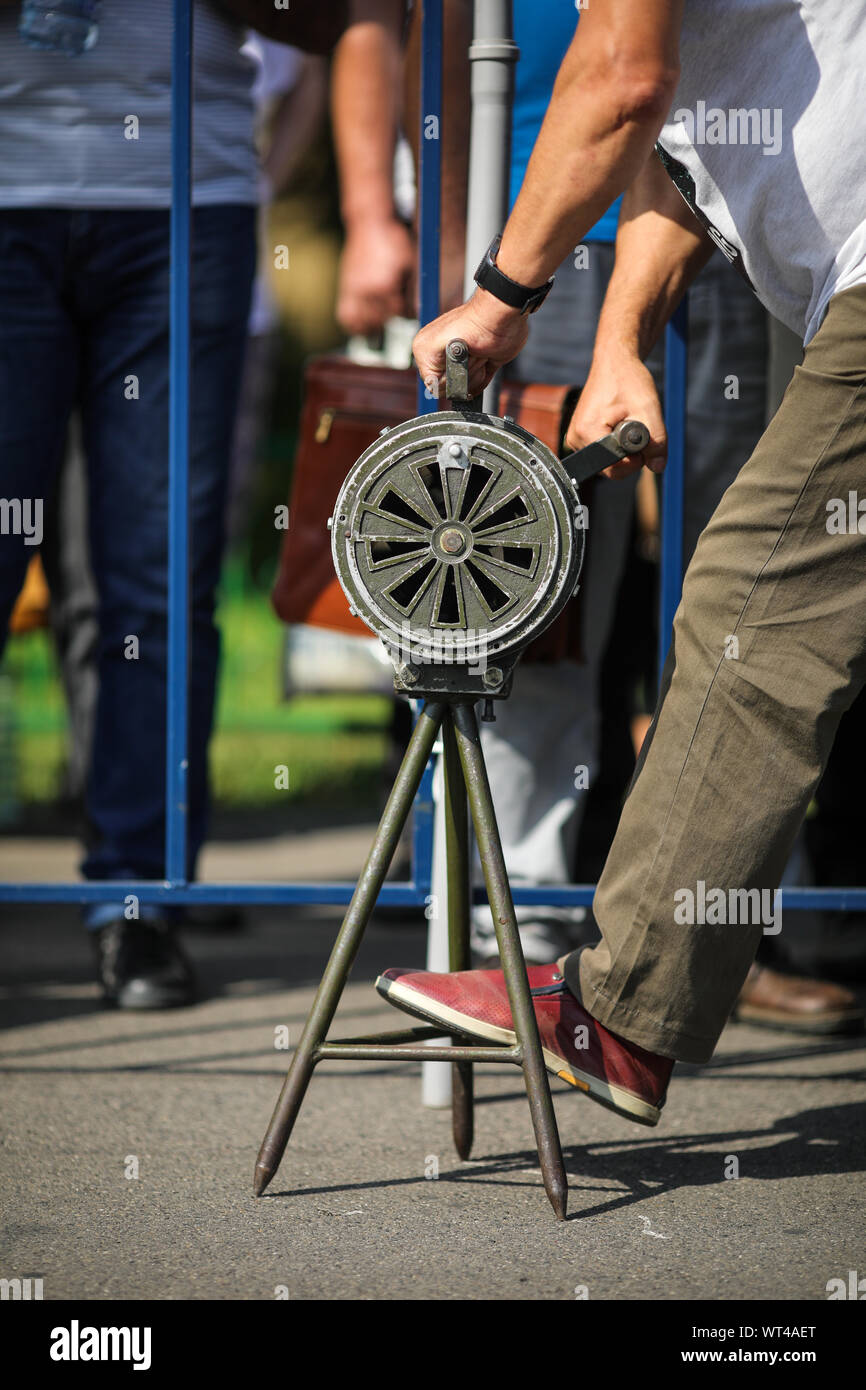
(462, 1118)
(549, 1149)
(463, 1148)
(261, 1178)
(558, 1196)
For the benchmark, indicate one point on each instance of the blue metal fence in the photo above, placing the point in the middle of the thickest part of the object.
(176, 766)
(175, 888)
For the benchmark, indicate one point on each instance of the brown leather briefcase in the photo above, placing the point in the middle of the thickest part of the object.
(346, 404)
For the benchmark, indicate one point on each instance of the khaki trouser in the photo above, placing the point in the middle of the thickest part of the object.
(769, 649)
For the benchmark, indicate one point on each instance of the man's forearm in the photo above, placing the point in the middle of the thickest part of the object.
(614, 89)
(660, 247)
(366, 85)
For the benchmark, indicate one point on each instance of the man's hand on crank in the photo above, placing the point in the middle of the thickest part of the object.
(492, 331)
(619, 386)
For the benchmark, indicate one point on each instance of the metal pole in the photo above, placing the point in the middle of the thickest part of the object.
(492, 56)
(435, 1078)
(176, 764)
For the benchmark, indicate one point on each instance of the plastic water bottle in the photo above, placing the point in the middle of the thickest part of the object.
(61, 26)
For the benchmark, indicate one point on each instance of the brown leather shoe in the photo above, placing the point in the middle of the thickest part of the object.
(772, 1000)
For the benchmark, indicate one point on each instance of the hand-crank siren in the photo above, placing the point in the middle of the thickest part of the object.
(459, 536)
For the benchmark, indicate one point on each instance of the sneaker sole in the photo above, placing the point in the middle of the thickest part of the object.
(614, 1098)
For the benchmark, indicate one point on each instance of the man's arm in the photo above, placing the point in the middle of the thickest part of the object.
(612, 94)
(660, 247)
(378, 256)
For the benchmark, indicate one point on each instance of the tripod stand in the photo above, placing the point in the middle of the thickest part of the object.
(465, 778)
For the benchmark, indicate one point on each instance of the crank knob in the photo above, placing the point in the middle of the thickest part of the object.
(632, 436)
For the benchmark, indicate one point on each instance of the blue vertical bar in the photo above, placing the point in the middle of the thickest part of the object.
(422, 832)
(176, 765)
(429, 173)
(676, 374)
(429, 203)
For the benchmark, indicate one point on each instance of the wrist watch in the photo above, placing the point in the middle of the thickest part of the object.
(496, 282)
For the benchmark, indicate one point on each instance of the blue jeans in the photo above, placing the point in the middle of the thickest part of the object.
(84, 320)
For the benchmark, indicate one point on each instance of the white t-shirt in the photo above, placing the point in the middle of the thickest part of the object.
(64, 127)
(766, 139)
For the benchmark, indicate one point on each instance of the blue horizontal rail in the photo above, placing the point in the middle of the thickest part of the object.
(408, 894)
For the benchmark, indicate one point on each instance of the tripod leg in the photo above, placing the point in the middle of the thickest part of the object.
(511, 954)
(346, 946)
(457, 853)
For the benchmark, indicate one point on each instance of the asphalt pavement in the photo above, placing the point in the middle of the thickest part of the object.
(129, 1143)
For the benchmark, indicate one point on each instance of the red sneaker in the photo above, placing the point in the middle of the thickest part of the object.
(619, 1074)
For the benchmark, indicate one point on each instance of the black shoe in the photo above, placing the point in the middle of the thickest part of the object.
(141, 965)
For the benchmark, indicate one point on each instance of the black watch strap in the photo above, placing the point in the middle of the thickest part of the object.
(516, 296)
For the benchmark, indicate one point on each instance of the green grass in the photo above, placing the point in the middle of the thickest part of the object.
(332, 745)
(325, 768)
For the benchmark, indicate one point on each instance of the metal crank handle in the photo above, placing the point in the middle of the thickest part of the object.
(629, 437)
(457, 375)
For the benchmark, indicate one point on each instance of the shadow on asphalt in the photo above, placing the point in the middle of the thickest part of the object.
(48, 965)
(818, 1142)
